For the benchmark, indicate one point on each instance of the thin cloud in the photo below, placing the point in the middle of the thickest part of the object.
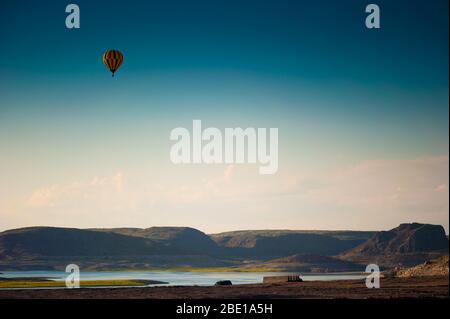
(382, 191)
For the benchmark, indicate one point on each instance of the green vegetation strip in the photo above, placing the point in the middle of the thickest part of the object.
(83, 283)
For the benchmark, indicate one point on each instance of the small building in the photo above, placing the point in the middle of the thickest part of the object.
(282, 279)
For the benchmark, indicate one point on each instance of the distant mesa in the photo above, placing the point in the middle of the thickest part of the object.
(183, 240)
(407, 244)
(280, 243)
(47, 248)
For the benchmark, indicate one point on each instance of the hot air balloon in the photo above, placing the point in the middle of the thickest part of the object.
(112, 59)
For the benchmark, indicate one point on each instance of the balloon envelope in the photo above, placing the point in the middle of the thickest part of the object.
(112, 59)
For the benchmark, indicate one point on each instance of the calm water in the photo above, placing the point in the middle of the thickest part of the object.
(178, 278)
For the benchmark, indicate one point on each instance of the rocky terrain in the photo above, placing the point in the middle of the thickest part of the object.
(435, 267)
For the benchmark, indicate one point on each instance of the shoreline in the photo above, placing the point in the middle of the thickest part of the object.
(413, 287)
(147, 278)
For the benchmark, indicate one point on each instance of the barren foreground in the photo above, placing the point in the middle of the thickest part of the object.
(420, 287)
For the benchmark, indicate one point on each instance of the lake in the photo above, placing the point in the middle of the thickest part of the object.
(178, 278)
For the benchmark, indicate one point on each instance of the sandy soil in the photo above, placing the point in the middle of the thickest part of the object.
(420, 287)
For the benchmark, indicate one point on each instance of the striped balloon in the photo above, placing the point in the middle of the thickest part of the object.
(112, 59)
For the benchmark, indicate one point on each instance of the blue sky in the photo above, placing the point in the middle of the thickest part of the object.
(340, 94)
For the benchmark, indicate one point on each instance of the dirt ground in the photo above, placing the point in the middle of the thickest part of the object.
(420, 287)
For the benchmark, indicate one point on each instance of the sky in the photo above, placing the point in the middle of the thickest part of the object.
(362, 113)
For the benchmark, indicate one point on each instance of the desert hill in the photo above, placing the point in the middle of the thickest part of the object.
(407, 244)
(279, 243)
(52, 241)
(182, 239)
(163, 247)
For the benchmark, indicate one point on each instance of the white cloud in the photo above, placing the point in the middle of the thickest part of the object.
(97, 189)
(370, 195)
